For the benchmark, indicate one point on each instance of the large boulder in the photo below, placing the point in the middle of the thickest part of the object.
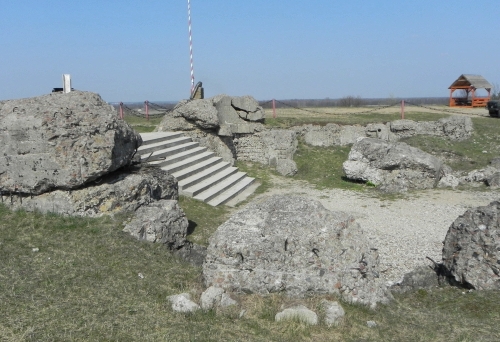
(160, 222)
(117, 192)
(61, 141)
(294, 245)
(392, 167)
(201, 113)
(471, 250)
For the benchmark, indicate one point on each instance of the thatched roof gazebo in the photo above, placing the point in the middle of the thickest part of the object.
(467, 86)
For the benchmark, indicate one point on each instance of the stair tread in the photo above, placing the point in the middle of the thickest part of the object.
(231, 192)
(183, 162)
(163, 142)
(147, 138)
(206, 173)
(181, 174)
(219, 187)
(180, 148)
(211, 181)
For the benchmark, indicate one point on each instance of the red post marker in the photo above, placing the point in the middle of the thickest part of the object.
(146, 106)
(121, 110)
(402, 109)
(274, 108)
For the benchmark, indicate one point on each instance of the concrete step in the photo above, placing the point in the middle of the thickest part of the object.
(194, 169)
(180, 165)
(154, 137)
(163, 144)
(220, 187)
(174, 154)
(209, 182)
(233, 191)
(202, 175)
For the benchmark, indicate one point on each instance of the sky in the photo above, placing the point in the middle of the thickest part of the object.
(139, 50)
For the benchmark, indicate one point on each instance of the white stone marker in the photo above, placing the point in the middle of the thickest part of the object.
(66, 83)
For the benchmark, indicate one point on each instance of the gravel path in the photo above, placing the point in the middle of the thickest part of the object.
(404, 230)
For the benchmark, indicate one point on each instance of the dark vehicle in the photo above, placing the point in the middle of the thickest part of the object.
(494, 108)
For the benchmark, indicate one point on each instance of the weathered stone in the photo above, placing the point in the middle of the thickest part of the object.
(266, 147)
(221, 146)
(471, 248)
(211, 297)
(160, 222)
(294, 245)
(248, 108)
(423, 277)
(193, 253)
(215, 297)
(182, 303)
(334, 312)
(61, 141)
(457, 127)
(202, 113)
(493, 181)
(300, 313)
(393, 167)
(226, 113)
(286, 167)
(117, 192)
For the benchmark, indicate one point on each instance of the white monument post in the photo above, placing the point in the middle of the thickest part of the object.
(66, 83)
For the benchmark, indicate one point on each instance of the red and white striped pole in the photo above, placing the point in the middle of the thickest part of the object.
(190, 46)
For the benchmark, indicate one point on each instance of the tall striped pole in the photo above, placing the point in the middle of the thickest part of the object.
(190, 46)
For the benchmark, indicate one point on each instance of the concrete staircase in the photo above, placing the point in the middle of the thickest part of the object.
(199, 172)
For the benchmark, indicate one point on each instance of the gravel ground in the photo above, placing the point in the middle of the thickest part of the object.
(405, 230)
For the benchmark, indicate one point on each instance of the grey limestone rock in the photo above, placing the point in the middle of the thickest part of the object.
(286, 167)
(471, 250)
(300, 313)
(267, 147)
(334, 312)
(215, 297)
(422, 277)
(201, 113)
(493, 181)
(248, 108)
(120, 191)
(160, 222)
(61, 141)
(294, 245)
(393, 167)
(183, 303)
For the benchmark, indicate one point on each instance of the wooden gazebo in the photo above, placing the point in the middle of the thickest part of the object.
(467, 86)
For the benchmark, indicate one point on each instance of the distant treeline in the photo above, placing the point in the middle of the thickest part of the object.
(347, 101)
(354, 101)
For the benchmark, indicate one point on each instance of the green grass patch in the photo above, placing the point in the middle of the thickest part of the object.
(141, 124)
(473, 153)
(322, 166)
(203, 219)
(83, 284)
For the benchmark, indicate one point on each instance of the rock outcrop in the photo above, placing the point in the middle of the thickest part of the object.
(294, 245)
(232, 128)
(471, 250)
(61, 141)
(160, 222)
(118, 192)
(392, 167)
(454, 128)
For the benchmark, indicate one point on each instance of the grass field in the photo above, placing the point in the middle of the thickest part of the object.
(74, 279)
(83, 284)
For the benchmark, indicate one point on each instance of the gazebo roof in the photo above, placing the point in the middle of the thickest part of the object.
(475, 81)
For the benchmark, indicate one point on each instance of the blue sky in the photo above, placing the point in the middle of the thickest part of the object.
(139, 50)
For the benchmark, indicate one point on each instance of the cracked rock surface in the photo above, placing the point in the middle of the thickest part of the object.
(294, 245)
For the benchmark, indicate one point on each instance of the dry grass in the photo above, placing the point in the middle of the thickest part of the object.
(83, 285)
